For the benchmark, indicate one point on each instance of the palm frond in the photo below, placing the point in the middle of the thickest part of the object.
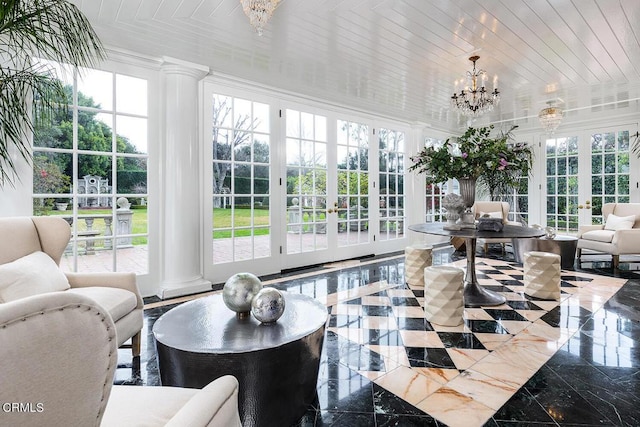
(30, 92)
(52, 29)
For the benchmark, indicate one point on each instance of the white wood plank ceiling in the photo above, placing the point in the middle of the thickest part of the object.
(399, 58)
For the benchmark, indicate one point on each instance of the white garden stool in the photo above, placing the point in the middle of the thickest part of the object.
(416, 258)
(542, 275)
(443, 295)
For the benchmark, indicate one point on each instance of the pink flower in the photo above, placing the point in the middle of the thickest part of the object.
(465, 155)
(503, 164)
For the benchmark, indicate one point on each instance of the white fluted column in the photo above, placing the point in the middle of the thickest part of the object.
(181, 206)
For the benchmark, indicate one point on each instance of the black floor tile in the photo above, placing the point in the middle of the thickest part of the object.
(404, 302)
(355, 395)
(498, 288)
(563, 317)
(511, 282)
(505, 315)
(522, 407)
(387, 403)
(569, 407)
(430, 358)
(460, 340)
(413, 324)
(377, 310)
(340, 419)
(621, 408)
(392, 420)
(358, 358)
(383, 337)
(344, 321)
(486, 326)
(564, 357)
(546, 378)
(523, 305)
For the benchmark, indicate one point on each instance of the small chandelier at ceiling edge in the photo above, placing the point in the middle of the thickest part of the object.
(550, 117)
(474, 100)
(259, 12)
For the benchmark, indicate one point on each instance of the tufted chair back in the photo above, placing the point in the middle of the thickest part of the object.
(58, 353)
(22, 236)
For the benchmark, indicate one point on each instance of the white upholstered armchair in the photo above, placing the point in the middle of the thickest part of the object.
(59, 355)
(619, 235)
(30, 253)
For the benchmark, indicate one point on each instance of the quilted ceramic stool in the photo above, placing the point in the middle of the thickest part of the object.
(443, 288)
(542, 275)
(416, 258)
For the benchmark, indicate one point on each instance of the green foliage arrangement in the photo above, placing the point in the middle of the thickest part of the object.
(494, 161)
(30, 93)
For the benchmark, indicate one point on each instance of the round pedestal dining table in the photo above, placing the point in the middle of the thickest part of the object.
(474, 294)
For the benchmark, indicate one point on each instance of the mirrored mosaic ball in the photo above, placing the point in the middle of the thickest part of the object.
(239, 290)
(268, 305)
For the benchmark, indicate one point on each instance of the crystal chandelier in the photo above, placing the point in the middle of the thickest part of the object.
(259, 12)
(550, 117)
(474, 100)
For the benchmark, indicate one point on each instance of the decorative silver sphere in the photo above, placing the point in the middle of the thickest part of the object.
(238, 292)
(268, 305)
(550, 232)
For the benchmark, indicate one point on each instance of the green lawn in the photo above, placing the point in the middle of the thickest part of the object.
(223, 221)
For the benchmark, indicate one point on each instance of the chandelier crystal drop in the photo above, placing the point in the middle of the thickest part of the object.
(550, 117)
(474, 100)
(259, 12)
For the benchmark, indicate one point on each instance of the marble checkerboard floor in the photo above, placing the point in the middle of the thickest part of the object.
(568, 362)
(461, 375)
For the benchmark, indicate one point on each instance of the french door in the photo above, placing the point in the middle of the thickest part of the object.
(584, 171)
(328, 188)
(286, 186)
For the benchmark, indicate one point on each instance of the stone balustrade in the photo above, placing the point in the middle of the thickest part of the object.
(96, 231)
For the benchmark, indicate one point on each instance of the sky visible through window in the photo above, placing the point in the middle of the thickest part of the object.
(130, 98)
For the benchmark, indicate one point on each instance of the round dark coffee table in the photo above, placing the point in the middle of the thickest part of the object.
(276, 364)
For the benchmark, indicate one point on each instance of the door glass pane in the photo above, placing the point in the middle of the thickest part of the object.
(562, 184)
(241, 180)
(353, 155)
(610, 170)
(391, 192)
(306, 215)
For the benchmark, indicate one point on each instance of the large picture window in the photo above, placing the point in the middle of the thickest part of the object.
(90, 167)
